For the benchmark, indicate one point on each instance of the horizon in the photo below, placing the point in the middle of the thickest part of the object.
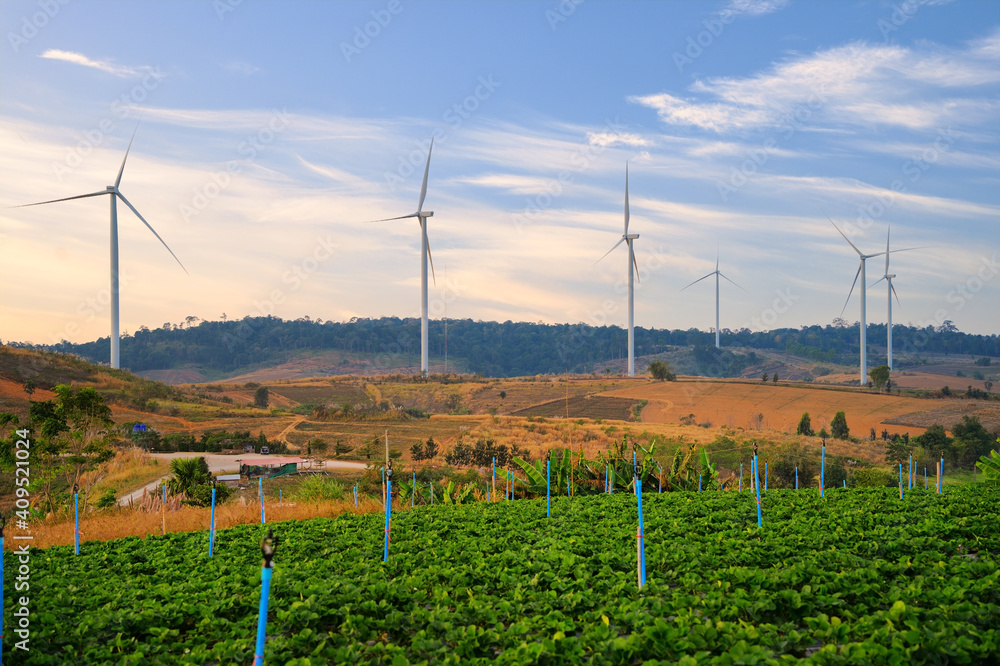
(745, 123)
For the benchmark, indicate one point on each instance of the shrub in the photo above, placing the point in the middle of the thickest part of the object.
(874, 477)
(108, 500)
(838, 426)
(319, 488)
(805, 425)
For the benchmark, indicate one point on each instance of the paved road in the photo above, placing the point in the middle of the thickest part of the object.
(219, 463)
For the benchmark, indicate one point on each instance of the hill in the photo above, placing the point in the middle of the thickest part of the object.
(268, 348)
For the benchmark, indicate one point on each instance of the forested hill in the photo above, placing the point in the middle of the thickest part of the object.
(491, 348)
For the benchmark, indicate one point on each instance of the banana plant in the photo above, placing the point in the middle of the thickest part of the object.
(990, 466)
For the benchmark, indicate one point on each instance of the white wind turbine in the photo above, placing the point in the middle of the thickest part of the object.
(890, 293)
(115, 194)
(425, 255)
(717, 273)
(861, 271)
(628, 238)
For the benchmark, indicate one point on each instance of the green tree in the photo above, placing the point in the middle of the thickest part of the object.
(765, 378)
(879, 376)
(935, 441)
(417, 450)
(187, 472)
(261, 397)
(971, 440)
(775, 378)
(897, 451)
(503, 394)
(430, 449)
(805, 425)
(838, 426)
(317, 445)
(661, 371)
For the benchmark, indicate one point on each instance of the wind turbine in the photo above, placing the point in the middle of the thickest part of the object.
(861, 272)
(628, 238)
(115, 194)
(717, 275)
(890, 293)
(425, 255)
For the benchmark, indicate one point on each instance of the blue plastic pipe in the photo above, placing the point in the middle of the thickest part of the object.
(493, 496)
(413, 495)
(76, 510)
(211, 526)
(265, 589)
(699, 483)
(548, 489)
(640, 536)
(741, 477)
(756, 476)
(388, 519)
(900, 480)
(261, 492)
(941, 491)
(796, 477)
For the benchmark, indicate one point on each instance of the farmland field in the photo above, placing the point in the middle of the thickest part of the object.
(858, 576)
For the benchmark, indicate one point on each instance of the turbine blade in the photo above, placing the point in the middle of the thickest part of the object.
(850, 293)
(909, 249)
(845, 237)
(433, 275)
(620, 241)
(733, 283)
(118, 180)
(82, 196)
(634, 262)
(717, 260)
(390, 219)
(876, 282)
(423, 186)
(893, 287)
(626, 199)
(148, 226)
(699, 280)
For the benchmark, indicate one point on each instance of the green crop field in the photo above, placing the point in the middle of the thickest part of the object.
(858, 576)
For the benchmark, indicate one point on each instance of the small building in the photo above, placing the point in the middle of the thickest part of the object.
(269, 467)
(230, 480)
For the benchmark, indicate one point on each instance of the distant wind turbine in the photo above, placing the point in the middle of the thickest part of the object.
(861, 271)
(717, 275)
(425, 255)
(890, 293)
(115, 194)
(628, 238)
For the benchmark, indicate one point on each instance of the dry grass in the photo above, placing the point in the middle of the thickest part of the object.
(121, 523)
(128, 470)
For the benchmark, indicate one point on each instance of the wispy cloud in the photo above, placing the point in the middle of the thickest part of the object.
(121, 71)
(752, 7)
(857, 84)
(241, 67)
(607, 139)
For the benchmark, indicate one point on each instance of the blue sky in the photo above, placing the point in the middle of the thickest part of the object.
(270, 132)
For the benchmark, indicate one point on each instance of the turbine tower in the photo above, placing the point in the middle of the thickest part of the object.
(115, 194)
(717, 275)
(864, 332)
(628, 238)
(890, 293)
(425, 255)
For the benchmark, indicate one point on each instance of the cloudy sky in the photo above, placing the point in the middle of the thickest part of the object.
(269, 133)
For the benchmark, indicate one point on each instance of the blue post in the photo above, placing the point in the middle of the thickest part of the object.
(266, 570)
(413, 495)
(925, 478)
(281, 497)
(741, 477)
(432, 493)
(211, 530)
(493, 497)
(388, 519)
(699, 483)
(756, 475)
(606, 475)
(261, 493)
(796, 477)
(163, 512)
(845, 483)
(822, 472)
(548, 489)
(567, 486)
(640, 536)
(661, 481)
(909, 474)
(611, 483)
(76, 510)
(900, 480)
(941, 491)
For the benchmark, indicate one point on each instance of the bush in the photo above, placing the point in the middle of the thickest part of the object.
(805, 425)
(108, 500)
(318, 489)
(874, 477)
(838, 426)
